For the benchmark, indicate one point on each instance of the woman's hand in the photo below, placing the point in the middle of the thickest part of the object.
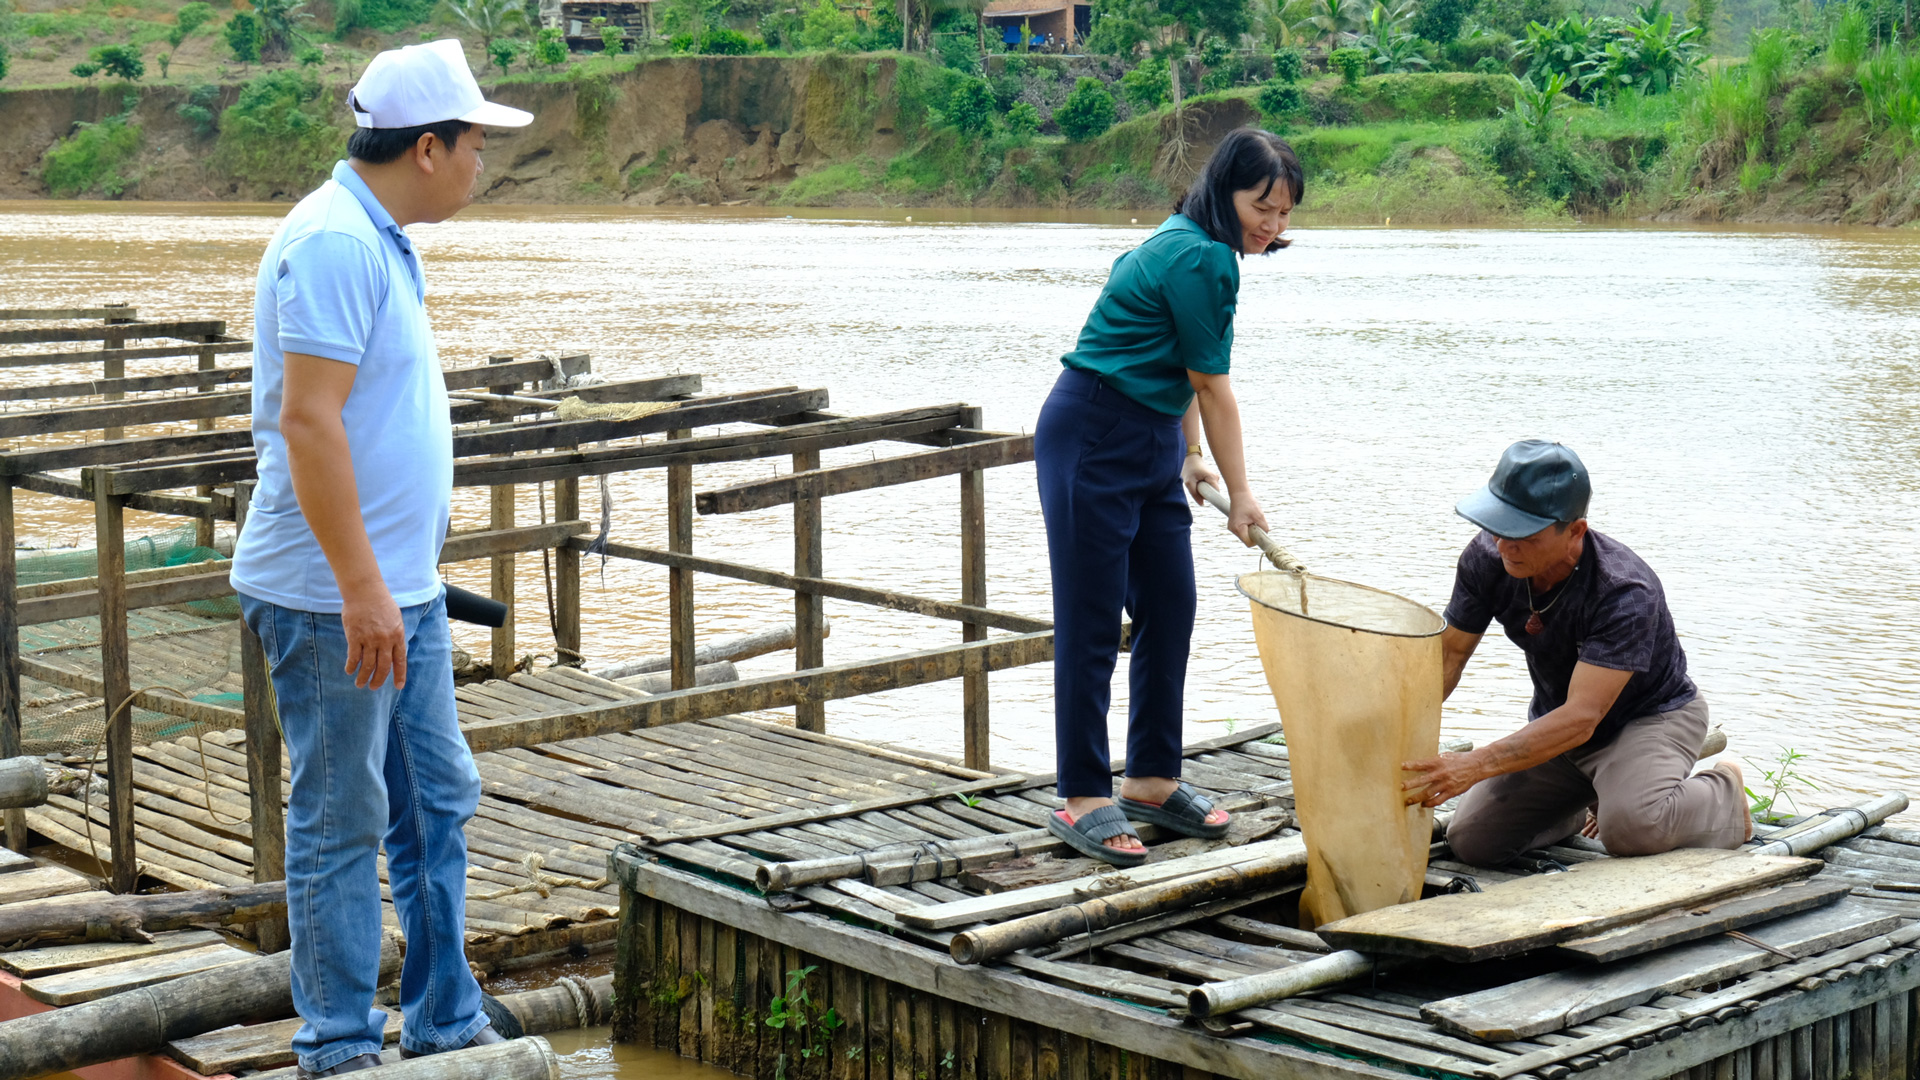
(1243, 514)
(1193, 473)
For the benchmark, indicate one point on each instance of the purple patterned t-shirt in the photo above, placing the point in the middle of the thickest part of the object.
(1611, 613)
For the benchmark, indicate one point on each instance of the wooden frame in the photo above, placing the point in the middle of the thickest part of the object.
(207, 476)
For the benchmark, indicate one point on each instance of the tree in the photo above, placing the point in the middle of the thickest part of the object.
(119, 61)
(1439, 20)
(970, 107)
(489, 18)
(1087, 112)
(189, 18)
(280, 26)
(1389, 46)
(1277, 99)
(1328, 19)
(550, 47)
(85, 70)
(1023, 119)
(1121, 27)
(1701, 13)
(5, 59)
(166, 61)
(503, 52)
(243, 37)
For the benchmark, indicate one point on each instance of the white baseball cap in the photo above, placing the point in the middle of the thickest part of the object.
(425, 84)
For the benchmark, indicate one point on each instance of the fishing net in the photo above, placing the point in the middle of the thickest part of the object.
(186, 657)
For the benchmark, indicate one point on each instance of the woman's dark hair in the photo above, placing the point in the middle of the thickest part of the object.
(1246, 158)
(377, 146)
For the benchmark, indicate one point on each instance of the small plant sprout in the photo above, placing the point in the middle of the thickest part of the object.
(1777, 781)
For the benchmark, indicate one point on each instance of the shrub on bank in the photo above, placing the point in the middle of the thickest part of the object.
(96, 159)
(1088, 111)
(280, 134)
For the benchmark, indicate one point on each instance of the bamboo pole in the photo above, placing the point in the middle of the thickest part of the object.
(571, 1003)
(987, 942)
(1843, 823)
(745, 647)
(10, 741)
(67, 919)
(1231, 995)
(23, 782)
(810, 649)
(116, 676)
(147, 1018)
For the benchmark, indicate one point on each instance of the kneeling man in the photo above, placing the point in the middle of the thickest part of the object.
(1615, 724)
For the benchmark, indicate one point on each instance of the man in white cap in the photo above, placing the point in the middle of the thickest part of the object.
(336, 568)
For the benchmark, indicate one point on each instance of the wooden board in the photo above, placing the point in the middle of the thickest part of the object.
(73, 987)
(1691, 924)
(33, 963)
(11, 860)
(1546, 1003)
(41, 882)
(260, 1046)
(1534, 912)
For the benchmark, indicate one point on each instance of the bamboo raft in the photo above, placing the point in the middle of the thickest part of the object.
(707, 962)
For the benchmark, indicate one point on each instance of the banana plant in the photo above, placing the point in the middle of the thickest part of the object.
(1390, 48)
(1559, 47)
(1648, 56)
(1537, 106)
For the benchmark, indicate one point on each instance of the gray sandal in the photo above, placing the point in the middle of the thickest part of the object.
(1184, 812)
(1089, 834)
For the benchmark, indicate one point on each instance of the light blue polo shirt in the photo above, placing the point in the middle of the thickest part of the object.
(340, 280)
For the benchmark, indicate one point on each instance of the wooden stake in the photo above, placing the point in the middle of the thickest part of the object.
(10, 742)
(810, 650)
(203, 527)
(502, 510)
(109, 525)
(973, 590)
(114, 367)
(264, 741)
(680, 579)
(63, 919)
(566, 573)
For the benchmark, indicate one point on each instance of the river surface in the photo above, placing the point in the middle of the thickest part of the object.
(1747, 401)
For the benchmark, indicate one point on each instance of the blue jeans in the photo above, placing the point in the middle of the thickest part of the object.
(370, 765)
(1119, 535)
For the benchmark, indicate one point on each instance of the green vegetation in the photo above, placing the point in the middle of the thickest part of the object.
(96, 159)
(280, 134)
(1767, 808)
(243, 37)
(796, 1012)
(189, 18)
(119, 61)
(1087, 112)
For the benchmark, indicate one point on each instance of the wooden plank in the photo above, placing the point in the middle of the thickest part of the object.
(15, 820)
(259, 1046)
(116, 683)
(766, 692)
(1545, 909)
(110, 311)
(975, 719)
(32, 963)
(835, 590)
(182, 589)
(1550, 1002)
(123, 414)
(697, 412)
(179, 380)
(90, 984)
(707, 450)
(566, 572)
(119, 451)
(1018, 902)
(680, 611)
(813, 482)
(179, 328)
(1691, 924)
(110, 356)
(41, 882)
(462, 547)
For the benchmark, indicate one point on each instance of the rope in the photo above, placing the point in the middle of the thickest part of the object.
(86, 789)
(582, 998)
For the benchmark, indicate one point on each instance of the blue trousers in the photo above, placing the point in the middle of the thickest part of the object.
(1118, 536)
(373, 765)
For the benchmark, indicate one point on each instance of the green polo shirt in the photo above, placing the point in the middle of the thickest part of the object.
(1167, 309)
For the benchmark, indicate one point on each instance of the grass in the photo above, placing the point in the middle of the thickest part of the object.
(97, 159)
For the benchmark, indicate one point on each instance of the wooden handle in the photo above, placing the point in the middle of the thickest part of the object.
(1276, 554)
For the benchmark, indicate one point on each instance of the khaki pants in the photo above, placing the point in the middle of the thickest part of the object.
(1647, 801)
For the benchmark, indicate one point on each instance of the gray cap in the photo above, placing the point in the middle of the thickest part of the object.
(1536, 484)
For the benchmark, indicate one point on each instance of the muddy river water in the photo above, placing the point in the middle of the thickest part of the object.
(1747, 401)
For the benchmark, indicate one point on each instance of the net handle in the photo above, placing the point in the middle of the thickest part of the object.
(1275, 554)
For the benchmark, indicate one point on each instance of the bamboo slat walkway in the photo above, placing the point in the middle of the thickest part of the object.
(548, 816)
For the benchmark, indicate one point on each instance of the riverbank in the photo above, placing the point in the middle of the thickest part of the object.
(880, 130)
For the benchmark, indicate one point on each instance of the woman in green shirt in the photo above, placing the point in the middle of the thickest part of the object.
(1117, 440)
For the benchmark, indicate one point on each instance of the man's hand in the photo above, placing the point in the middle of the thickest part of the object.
(1193, 473)
(1433, 781)
(376, 640)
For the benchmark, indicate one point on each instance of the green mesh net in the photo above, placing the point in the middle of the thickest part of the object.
(189, 651)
